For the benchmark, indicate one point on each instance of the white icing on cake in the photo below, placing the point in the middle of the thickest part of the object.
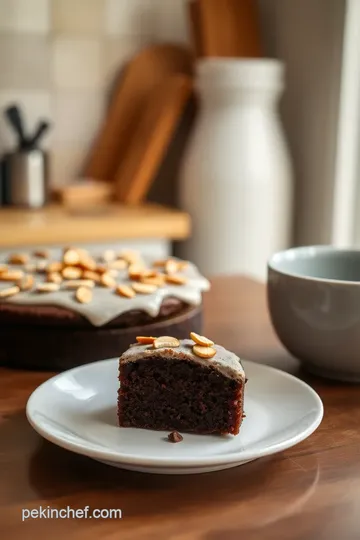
(106, 305)
(224, 361)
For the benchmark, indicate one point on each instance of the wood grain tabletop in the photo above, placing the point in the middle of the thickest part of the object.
(310, 491)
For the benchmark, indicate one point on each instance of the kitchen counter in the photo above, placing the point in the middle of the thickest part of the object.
(56, 224)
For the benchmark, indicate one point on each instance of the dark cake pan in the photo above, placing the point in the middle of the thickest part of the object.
(57, 348)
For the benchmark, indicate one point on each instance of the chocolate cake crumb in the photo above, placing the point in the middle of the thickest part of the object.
(175, 437)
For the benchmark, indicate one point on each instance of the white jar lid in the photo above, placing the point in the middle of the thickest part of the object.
(263, 73)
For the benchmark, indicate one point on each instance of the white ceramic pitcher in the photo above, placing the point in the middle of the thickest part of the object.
(236, 180)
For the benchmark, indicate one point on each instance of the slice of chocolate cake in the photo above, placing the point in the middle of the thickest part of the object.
(189, 386)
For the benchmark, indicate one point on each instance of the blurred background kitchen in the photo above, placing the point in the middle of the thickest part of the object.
(221, 130)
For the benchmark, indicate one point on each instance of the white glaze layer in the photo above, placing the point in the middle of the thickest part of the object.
(106, 305)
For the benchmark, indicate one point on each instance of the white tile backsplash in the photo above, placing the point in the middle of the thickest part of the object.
(66, 162)
(31, 16)
(116, 53)
(25, 62)
(171, 21)
(78, 16)
(130, 17)
(77, 63)
(35, 106)
(77, 116)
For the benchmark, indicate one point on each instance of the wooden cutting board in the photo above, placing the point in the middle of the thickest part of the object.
(195, 27)
(151, 139)
(229, 28)
(144, 73)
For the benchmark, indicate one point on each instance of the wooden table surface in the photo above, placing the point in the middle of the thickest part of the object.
(309, 492)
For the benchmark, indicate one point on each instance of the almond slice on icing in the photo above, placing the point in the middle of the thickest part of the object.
(10, 291)
(145, 340)
(3, 268)
(71, 257)
(119, 264)
(107, 281)
(54, 277)
(174, 279)
(201, 340)
(12, 275)
(71, 272)
(19, 258)
(126, 291)
(76, 283)
(47, 287)
(87, 263)
(42, 254)
(83, 295)
(165, 341)
(55, 266)
(90, 274)
(130, 256)
(108, 255)
(41, 267)
(157, 280)
(171, 266)
(203, 352)
(30, 267)
(26, 283)
(144, 288)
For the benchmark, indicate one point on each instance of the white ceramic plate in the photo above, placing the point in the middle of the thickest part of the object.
(77, 410)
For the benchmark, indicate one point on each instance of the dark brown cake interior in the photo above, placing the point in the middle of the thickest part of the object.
(196, 397)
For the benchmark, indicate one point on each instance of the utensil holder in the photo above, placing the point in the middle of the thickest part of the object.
(27, 179)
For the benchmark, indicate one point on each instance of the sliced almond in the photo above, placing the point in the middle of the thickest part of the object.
(54, 267)
(47, 287)
(183, 265)
(145, 340)
(10, 291)
(130, 256)
(203, 352)
(3, 268)
(101, 268)
(157, 280)
(83, 295)
(12, 275)
(160, 263)
(41, 267)
(149, 273)
(71, 272)
(165, 341)
(87, 263)
(176, 279)
(144, 288)
(26, 283)
(76, 283)
(42, 254)
(120, 264)
(135, 271)
(125, 290)
(19, 258)
(71, 257)
(107, 281)
(30, 267)
(89, 274)
(112, 272)
(201, 340)
(54, 277)
(108, 255)
(171, 266)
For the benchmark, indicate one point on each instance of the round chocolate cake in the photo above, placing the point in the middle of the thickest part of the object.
(64, 308)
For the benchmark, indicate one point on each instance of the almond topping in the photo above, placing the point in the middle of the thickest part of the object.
(101, 269)
(158, 281)
(130, 257)
(10, 291)
(183, 265)
(12, 275)
(144, 288)
(108, 255)
(42, 254)
(54, 277)
(203, 352)
(161, 263)
(54, 267)
(145, 340)
(87, 263)
(89, 274)
(107, 281)
(112, 272)
(201, 340)
(83, 295)
(135, 271)
(125, 290)
(26, 283)
(171, 266)
(176, 279)
(118, 265)
(30, 267)
(71, 272)
(47, 287)
(71, 257)
(41, 266)
(76, 283)
(19, 258)
(3, 268)
(165, 341)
